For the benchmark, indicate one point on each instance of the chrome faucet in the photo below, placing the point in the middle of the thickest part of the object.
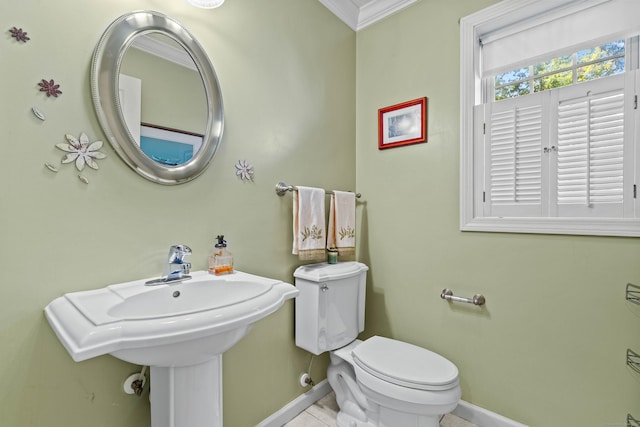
(177, 267)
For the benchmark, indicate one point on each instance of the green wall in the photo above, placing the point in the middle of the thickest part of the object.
(287, 72)
(548, 349)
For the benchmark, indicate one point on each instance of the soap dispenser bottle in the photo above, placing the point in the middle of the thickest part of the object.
(221, 260)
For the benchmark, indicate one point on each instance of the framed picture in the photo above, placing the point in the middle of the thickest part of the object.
(402, 124)
(168, 146)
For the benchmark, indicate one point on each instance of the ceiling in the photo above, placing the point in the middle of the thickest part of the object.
(358, 14)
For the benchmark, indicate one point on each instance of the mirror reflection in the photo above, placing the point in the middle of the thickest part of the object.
(157, 97)
(166, 120)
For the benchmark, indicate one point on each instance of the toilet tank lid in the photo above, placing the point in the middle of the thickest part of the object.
(324, 271)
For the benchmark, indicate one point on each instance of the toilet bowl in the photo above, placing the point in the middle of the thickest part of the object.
(379, 382)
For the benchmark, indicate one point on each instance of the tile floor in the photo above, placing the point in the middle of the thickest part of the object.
(323, 414)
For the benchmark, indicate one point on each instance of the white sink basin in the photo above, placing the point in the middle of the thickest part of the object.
(167, 300)
(176, 324)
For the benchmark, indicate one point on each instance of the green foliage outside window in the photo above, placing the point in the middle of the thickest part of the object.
(588, 64)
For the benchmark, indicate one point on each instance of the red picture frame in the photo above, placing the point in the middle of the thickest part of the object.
(402, 124)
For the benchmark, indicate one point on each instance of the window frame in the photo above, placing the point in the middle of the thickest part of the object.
(472, 89)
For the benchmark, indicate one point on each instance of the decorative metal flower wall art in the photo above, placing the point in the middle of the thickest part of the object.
(51, 167)
(81, 151)
(50, 88)
(244, 170)
(19, 35)
(38, 113)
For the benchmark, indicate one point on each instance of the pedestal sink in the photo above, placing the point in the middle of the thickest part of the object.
(180, 330)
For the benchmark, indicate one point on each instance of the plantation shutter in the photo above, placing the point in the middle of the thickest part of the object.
(513, 181)
(589, 178)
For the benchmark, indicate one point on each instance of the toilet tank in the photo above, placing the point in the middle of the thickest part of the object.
(330, 305)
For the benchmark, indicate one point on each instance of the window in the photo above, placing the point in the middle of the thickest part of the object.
(549, 131)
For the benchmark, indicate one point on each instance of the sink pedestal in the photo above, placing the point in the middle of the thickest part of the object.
(187, 396)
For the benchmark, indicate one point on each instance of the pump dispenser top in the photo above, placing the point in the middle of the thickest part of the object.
(221, 260)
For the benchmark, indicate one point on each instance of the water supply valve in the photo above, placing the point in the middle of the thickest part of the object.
(305, 380)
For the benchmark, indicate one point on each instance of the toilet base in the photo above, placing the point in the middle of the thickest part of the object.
(346, 420)
(388, 418)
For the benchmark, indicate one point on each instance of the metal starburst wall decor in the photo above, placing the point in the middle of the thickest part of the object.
(50, 88)
(244, 170)
(19, 35)
(81, 151)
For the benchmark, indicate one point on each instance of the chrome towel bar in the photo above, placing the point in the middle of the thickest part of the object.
(282, 188)
(477, 299)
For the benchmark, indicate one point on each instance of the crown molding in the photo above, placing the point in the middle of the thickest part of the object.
(359, 14)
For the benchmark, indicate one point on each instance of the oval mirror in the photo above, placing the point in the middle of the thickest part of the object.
(157, 97)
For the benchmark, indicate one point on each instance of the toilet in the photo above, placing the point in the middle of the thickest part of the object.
(379, 382)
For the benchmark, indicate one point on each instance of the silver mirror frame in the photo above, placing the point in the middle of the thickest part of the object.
(105, 70)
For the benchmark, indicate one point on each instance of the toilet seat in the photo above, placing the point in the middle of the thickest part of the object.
(405, 364)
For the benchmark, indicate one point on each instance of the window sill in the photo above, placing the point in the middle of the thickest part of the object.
(571, 226)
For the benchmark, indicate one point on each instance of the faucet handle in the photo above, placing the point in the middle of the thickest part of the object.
(177, 253)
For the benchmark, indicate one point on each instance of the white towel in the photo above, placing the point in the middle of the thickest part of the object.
(309, 230)
(342, 223)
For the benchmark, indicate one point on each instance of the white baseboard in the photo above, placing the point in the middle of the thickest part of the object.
(472, 413)
(482, 417)
(299, 404)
